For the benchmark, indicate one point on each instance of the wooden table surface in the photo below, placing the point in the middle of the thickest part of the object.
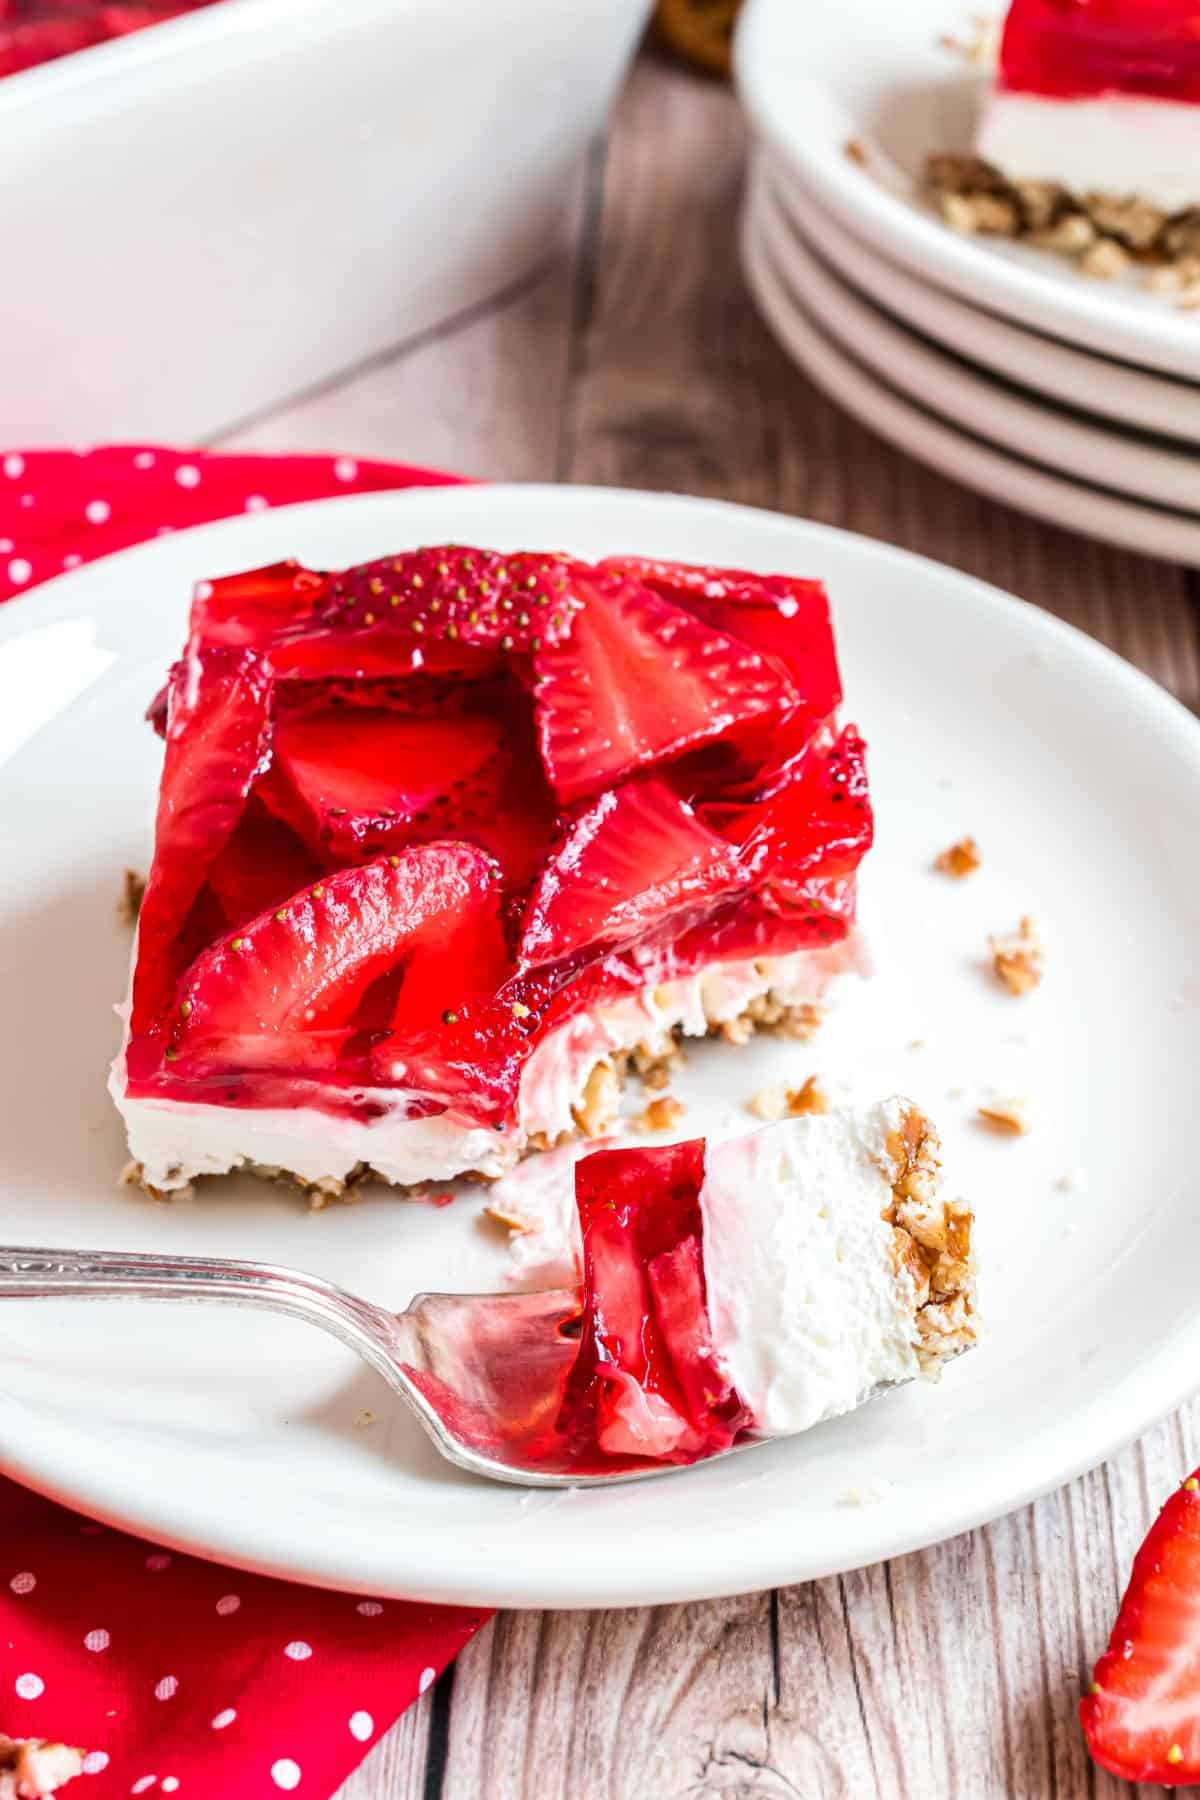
(636, 358)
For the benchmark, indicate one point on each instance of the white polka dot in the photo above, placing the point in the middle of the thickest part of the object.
(14, 466)
(256, 503)
(228, 1603)
(224, 1718)
(26, 501)
(6, 545)
(72, 561)
(160, 1560)
(167, 1688)
(298, 1650)
(203, 590)
(188, 475)
(285, 1773)
(24, 1583)
(169, 1783)
(97, 1640)
(29, 1687)
(19, 570)
(95, 1761)
(144, 459)
(361, 1726)
(97, 512)
(142, 1783)
(345, 468)
(370, 1609)
(428, 1677)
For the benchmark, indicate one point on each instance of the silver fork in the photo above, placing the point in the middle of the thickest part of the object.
(481, 1372)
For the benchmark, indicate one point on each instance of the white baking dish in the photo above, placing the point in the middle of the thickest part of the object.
(203, 218)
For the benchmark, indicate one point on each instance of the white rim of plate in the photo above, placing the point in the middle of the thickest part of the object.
(1125, 523)
(1091, 384)
(774, 63)
(978, 402)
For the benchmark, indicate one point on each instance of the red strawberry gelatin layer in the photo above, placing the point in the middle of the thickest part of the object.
(647, 1381)
(1069, 49)
(439, 834)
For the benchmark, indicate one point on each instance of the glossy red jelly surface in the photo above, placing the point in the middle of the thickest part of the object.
(647, 1381)
(1069, 49)
(414, 815)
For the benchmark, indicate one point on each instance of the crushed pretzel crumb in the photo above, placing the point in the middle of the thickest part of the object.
(597, 1108)
(1017, 957)
(364, 1419)
(510, 1219)
(769, 1103)
(856, 150)
(660, 1114)
(1103, 234)
(1008, 1116)
(808, 1098)
(133, 889)
(959, 860)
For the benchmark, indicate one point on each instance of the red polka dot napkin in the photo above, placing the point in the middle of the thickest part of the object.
(60, 508)
(171, 1674)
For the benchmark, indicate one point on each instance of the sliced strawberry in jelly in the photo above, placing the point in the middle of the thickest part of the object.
(637, 856)
(262, 864)
(784, 618)
(811, 833)
(447, 609)
(781, 616)
(1068, 49)
(255, 607)
(288, 989)
(217, 737)
(350, 781)
(648, 1381)
(640, 681)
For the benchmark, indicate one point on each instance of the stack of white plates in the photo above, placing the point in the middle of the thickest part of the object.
(1004, 367)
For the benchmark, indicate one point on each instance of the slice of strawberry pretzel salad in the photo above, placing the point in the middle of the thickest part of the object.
(448, 841)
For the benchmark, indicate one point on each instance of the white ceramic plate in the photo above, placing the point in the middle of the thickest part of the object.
(1145, 469)
(1135, 398)
(990, 470)
(235, 1436)
(813, 77)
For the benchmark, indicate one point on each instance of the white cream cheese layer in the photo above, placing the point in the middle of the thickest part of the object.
(807, 1306)
(174, 1141)
(1119, 144)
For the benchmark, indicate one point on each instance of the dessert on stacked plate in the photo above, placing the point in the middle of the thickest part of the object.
(982, 237)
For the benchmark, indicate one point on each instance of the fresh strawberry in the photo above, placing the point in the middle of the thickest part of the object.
(447, 609)
(637, 855)
(640, 681)
(1141, 1714)
(647, 1380)
(217, 734)
(812, 832)
(289, 989)
(350, 782)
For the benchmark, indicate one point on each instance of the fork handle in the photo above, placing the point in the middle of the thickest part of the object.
(36, 1274)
